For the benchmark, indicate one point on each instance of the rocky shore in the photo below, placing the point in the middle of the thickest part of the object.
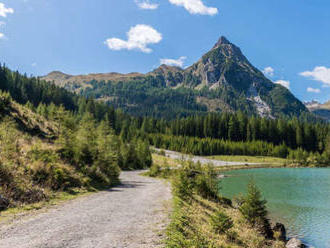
(279, 232)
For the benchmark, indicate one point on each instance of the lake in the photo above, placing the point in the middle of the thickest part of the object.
(297, 197)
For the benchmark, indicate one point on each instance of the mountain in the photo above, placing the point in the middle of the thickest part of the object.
(223, 80)
(319, 109)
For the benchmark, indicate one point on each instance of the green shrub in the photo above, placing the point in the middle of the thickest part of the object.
(44, 155)
(255, 212)
(5, 100)
(253, 207)
(6, 174)
(221, 223)
(206, 183)
(155, 170)
(182, 184)
(54, 176)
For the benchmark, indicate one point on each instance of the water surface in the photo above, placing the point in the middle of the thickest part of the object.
(298, 198)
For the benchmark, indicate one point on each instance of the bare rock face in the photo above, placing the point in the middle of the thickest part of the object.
(295, 243)
(280, 228)
(4, 203)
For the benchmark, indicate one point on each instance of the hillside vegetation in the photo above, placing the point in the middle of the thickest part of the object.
(202, 218)
(48, 148)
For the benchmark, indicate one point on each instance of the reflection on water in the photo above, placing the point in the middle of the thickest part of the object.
(299, 198)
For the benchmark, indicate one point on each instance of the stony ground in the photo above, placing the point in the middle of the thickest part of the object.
(132, 215)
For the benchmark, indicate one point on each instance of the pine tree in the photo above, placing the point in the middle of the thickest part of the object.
(254, 207)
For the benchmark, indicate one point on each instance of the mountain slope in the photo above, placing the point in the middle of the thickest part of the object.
(321, 110)
(222, 80)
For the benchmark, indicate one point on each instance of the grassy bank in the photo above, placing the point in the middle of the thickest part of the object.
(250, 159)
(201, 217)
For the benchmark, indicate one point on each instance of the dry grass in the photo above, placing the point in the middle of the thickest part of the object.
(249, 159)
(191, 222)
(199, 232)
(163, 160)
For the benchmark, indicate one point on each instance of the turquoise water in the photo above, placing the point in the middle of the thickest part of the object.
(298, 198)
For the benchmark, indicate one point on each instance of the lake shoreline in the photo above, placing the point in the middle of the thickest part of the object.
(299, 218)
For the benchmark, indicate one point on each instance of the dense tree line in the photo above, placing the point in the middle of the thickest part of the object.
(23, 89)
(238, 127)
(208, 146)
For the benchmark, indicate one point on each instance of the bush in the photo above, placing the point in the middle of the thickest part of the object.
(254, 210)
(221, 223)
(5, 100)
(195, 178)
(182, 184)
(155, 170)
(206, 183)
(54, 175)
(253, 207)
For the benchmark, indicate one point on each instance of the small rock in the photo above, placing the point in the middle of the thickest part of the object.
(4, 203)
(280, 229)
(295, 243)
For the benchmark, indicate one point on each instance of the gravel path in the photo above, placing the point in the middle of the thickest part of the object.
(202, 160)
(131, 215)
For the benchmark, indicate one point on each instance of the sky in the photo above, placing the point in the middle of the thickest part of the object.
(289, 40)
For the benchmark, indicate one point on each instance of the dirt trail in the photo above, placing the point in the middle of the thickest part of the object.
(131, 215)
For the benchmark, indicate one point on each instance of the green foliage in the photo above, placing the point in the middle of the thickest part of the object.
(5, 100)
(182, 184)
(155, 170)
(9, 143)
(287, 133)
(254, 207)
(221, 223)
(208, 146)
(254, 210)
(206, 182)
(194, 178)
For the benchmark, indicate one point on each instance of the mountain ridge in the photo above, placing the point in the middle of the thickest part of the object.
(320, 109)
(220, 80)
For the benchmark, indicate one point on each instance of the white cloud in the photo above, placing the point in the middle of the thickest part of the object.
(4, 11)
(195, 7)
(320, 73)
(145, 4)
(138, 38)
(284, 83)
(173, 62)
(268, 71)
(312, 90)
(2, 36)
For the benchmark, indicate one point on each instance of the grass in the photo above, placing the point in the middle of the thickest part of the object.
(249, 159)
(191, 227)
(264, 162)
(191, 220)
(162, 160)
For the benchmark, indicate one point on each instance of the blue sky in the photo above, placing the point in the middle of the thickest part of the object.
(290, 37)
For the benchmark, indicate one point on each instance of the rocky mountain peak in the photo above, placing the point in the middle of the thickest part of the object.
(222, 41)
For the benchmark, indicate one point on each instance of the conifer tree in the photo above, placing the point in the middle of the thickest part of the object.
(254, 207)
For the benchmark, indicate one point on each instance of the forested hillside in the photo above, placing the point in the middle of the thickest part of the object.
(55, 141)
(223, 80)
